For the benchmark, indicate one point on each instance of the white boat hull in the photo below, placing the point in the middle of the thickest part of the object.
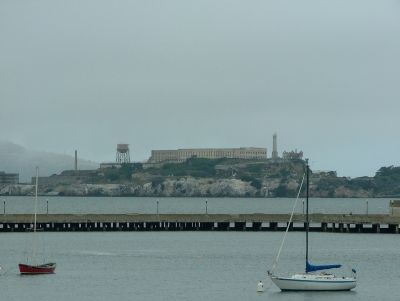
(314, 283)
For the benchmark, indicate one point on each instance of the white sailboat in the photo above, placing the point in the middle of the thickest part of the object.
(315, 277)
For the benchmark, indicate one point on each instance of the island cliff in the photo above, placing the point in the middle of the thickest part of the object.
(211, 178)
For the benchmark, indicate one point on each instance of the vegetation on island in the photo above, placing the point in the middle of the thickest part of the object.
(216, 177)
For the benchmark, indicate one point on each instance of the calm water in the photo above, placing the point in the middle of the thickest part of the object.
(192, 265)
(188, 205)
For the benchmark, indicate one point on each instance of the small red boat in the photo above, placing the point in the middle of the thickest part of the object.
(47, 268)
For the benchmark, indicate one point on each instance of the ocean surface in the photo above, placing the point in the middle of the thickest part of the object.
(193, 265)
(189, 205)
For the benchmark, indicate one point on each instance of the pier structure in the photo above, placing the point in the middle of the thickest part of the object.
(201, 222)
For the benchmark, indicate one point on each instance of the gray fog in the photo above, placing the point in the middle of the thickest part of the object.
(88, 74)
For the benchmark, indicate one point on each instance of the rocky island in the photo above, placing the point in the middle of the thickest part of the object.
(199, 177)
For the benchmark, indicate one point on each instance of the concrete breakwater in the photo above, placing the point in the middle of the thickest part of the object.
(377, 223)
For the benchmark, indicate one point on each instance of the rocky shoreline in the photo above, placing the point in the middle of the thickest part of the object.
(186, 187)
(211, 178)
(183, 187)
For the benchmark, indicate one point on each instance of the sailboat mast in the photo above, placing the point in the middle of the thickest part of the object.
(35, 218)
(307, 219)
(36, 198)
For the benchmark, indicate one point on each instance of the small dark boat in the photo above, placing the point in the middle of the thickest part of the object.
(47, 268)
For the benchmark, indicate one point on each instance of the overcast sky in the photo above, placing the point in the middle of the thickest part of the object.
(88, 74)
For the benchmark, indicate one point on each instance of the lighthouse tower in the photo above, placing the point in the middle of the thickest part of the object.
(275, 147)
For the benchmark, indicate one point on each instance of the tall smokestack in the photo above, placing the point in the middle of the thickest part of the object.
(76, 160)
(275, 147)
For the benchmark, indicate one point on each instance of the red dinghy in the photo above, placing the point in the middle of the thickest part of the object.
(36, 269)
(47, 268)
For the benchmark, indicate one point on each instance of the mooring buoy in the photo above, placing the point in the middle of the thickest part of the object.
(260, 287)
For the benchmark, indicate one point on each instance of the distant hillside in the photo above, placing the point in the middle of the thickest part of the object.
(15, 158)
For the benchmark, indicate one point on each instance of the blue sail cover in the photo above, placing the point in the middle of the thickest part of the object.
(314, 268)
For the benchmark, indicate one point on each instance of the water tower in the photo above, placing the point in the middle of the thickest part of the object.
(123, 153)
